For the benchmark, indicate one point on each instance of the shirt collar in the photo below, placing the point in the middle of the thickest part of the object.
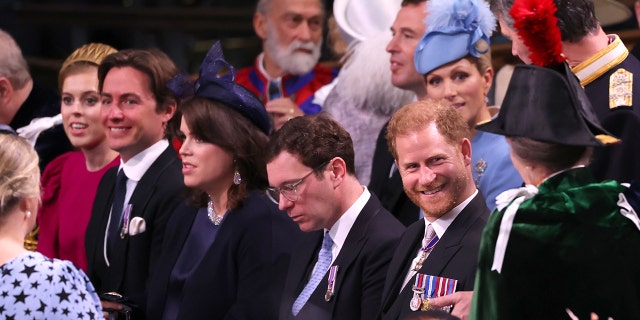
(136, 167)
(263, 71)
(341, 228)
(441, 224)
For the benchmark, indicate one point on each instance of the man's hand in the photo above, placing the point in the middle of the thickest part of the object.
(461, 302)
(109, 307)
(282, 110)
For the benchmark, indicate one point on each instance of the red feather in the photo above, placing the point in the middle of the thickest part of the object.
(536, 24)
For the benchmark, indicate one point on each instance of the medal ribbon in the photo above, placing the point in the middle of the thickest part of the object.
(125, 221)
(331, 281)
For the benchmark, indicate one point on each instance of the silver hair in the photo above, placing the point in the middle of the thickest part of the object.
(13, 66)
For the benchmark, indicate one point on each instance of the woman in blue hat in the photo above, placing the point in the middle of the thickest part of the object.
(454, 58)
(226, 248)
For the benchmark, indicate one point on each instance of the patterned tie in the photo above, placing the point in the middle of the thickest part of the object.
(116, 209)
(274, 90)
(428, 242)
(324, 261)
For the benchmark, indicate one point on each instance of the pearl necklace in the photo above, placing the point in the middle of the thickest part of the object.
(213, 216)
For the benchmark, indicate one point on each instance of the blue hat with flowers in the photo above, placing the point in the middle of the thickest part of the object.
(453, 29)
(216, 82)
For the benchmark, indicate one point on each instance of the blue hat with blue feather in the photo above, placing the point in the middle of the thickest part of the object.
(216, 81)
(454, 29)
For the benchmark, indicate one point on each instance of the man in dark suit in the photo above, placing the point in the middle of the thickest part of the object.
(386, 183)
(134, 201)
(435, 165)
(337, 270)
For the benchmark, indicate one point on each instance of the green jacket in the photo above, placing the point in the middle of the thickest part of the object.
(570, 247)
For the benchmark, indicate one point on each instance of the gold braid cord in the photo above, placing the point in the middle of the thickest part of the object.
(31, 241)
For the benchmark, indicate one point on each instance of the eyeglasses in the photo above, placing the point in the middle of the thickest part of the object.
(289, 191)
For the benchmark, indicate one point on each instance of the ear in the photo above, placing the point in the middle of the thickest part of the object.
(6, 91)
(465, 148)
(169, 111)
(260, 25)
(488, 79)
(27, 204)
(338, 169)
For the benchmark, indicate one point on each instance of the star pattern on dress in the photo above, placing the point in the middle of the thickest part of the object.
(28, 270)
(20, 297)
(62, 295)
(35, 287)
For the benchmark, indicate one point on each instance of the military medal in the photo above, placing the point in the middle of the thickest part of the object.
(125, 221)
(418, 291)
(432, 287)
(331, 282)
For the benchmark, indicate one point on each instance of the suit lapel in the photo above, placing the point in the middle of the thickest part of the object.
(139, 201)
(401, 261)
(352, 246)
(450, 242)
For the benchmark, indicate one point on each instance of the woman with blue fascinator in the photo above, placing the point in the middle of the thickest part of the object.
(454, 58)
(227, 246)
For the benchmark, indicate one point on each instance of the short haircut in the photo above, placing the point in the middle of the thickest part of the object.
(19, 172)
(152, 62)
(13, 66)
(411, 2)
(554, 157)
(214, 122)
(314, 140)
(263, 6)
(576, 18)
(419, 115)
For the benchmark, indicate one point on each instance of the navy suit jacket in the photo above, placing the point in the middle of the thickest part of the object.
(455, 256)
(362, 263)
(241, 275)
(389, 188)
(618, 161)
(156, 195)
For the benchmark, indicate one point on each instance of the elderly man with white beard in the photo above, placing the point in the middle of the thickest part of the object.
(286, 74)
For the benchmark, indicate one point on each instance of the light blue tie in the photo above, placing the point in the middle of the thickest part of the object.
(324, 261)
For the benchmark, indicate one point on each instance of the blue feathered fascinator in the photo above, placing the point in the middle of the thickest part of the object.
(453, 29)
(216, 82)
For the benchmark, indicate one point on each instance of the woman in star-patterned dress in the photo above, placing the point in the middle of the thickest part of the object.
(31, 285)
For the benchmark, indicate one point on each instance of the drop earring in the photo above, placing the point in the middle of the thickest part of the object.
(237, 178)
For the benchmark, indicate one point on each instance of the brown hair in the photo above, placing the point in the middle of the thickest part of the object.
(314, 140)
(554, 157)
(216, 123)
(157, 66)
(419, 115)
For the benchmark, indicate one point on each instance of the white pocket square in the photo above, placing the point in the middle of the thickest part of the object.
(136, 226)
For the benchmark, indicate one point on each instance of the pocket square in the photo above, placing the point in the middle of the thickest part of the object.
(136, 226)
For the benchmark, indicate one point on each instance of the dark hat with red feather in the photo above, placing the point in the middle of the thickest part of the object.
(545, 101)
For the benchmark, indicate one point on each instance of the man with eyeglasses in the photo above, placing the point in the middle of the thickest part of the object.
(337, 270)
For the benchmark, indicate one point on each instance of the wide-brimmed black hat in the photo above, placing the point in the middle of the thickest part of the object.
(548, 105)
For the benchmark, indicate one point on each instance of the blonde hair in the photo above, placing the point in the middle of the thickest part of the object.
(19, 172)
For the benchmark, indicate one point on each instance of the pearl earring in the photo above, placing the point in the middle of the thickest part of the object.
(28, 214)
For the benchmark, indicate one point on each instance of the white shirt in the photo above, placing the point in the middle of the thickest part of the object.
(341, 228)
(440, 226)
